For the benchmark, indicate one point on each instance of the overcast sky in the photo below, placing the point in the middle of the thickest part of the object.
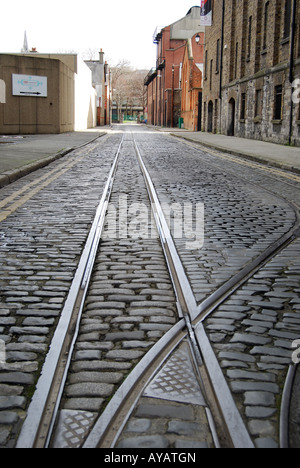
(123, 29)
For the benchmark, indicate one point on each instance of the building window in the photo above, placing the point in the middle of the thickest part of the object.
(205, 66)
(210, 77)
(278, 103)
(287, 18)
(218, 56)
(236, 60)
(266, 19)
(258, 105)
(243, 106)
(216, 116)
(249, 37)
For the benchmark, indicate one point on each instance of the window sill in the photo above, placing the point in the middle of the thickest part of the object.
(276, 122)
(285, 40)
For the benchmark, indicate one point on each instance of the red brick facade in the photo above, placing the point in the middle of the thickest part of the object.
(164, 88)
(192, 83)
(164, 81)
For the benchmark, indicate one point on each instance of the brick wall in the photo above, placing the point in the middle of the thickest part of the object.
(250, 96)
(191, 82)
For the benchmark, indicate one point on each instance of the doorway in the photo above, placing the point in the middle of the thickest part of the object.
(199, 123)
(231, 118)
(210, 117)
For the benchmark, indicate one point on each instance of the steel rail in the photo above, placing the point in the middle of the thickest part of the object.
(38, 425)
(224, 414)
(206, 307)
(42, 412)
(115, 416)
(197, 314)
(216, 390)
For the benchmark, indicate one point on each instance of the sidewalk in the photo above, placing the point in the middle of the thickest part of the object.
(22, 154)
(280, 156)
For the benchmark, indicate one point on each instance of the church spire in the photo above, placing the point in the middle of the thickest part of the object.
(25, 49)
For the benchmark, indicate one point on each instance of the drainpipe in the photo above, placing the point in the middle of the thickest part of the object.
(222, 49)
(172, 96)
(291, 74)
(221, 65)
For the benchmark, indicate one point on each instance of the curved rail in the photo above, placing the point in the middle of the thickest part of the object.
(38, 426)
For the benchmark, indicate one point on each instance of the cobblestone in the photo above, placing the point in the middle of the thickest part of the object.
(241, 220)
(131, 304)
(265, 348)
(125, 301)
(40, 246)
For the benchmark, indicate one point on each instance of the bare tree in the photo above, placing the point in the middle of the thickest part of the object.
(118, 84)
(90, 54)
(127, 86)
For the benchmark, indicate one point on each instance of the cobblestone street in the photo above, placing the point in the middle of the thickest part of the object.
(132, 303)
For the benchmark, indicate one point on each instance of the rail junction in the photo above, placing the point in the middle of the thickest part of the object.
(132, 318)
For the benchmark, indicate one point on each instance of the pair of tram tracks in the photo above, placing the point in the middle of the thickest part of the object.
(226, 423)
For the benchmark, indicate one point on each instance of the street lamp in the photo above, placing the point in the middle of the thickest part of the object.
(197, 39)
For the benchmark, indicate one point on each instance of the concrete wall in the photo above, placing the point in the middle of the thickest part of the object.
(187, 27)
(33, 115)
(85, 98)
(99, 75)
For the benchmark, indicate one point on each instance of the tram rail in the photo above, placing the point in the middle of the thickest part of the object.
(227, 425)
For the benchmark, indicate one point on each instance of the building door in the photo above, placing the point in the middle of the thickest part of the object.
(199, 124)
(210, 117)
(152, 114)
(231, 117)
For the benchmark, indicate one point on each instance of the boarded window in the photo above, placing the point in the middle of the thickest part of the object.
(243, 106)
(278, 103)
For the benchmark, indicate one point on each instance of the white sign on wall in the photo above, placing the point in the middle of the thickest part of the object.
(29, 85)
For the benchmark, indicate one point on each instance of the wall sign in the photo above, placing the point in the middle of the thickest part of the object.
(29, 85)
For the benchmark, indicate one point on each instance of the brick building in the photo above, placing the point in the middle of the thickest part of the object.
(164, 80)
(251, 59)
(192, 70)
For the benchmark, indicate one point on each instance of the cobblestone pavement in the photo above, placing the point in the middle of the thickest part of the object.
(40, 246)
(241, 219)
(131, 303)
(252, 335)
(172, 411)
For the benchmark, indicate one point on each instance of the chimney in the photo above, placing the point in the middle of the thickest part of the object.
(101, 56)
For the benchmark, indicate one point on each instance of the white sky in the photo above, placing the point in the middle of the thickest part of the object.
(123, 29)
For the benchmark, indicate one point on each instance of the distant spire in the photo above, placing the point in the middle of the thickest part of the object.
(25, 49)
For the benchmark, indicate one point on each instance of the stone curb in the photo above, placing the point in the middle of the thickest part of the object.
(248, 156)
(9, 177)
